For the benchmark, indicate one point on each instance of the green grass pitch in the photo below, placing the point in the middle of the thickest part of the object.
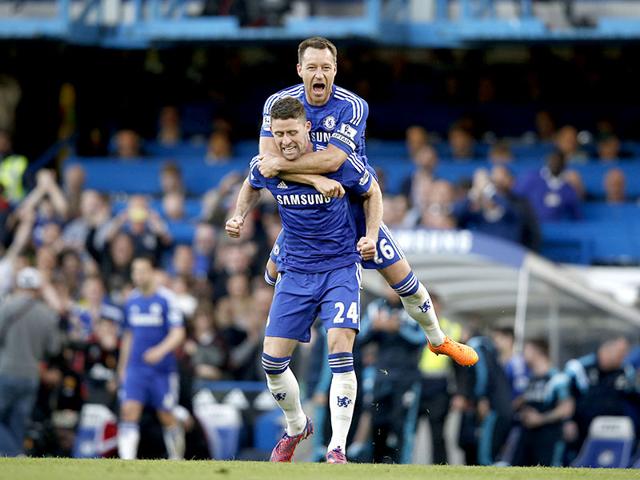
(68, 469)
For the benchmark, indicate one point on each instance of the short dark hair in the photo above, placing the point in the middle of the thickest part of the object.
(540, 344)
(319, 43)
(286, 108)
(143, 257)
(506, 331)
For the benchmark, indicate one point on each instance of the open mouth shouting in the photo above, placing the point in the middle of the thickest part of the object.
(318, 88)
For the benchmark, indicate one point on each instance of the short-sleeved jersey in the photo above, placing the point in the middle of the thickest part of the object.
(340, 122)
(518, 374)
(150, 318)
(320, 231)
(545, 392)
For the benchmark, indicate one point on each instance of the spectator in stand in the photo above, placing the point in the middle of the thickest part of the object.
(114, 259)
(547, 404)
(206, 346)
(395, 210)
(438, 209)
(28, 334)
(217, 201)
(183, 262)
(550, 196)
(615, 184)
(425, 161)
(204, 248)
(12, 169)
(47, 200)
(503, 180)
(545, 126)
(171, 179)
(219, 147)
(73, 186)
(95, 214)
(573, 178)
(13, 258)
(150, 234)
(416, 138)
(500, 154)
(173, 207)
(93, 305)
(566, 141)
(462, 145)
(101, 360)
(486, 210)
(71, 271)
(601, 384)
(128, 145)
(169, 131)
(610, 149)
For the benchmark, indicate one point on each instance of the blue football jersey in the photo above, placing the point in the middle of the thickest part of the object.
(149, 318)
(320, 231)
(340, 122)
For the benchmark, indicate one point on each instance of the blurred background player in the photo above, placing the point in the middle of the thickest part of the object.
(546, 404)
(321, 276)
(147, 366)
(338, 121)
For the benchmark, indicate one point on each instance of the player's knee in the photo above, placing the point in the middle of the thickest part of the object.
(340, 340)
(275, 365)
(130, 412)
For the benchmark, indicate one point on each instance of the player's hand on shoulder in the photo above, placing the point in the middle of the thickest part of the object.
(367, 248)
(234, 225)
(269, 165)
(329, 188)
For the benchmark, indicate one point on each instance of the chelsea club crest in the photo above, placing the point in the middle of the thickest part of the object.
(329, 122)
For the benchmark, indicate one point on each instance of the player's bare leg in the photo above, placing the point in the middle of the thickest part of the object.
(284, 387)
(173, 435)
(129, 429)
(343, 391)
(417, 302)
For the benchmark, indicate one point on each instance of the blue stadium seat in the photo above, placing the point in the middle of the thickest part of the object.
(182, 232)
(625, 212)
(608, 444)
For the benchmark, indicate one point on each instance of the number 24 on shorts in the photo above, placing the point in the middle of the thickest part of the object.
(352, 314)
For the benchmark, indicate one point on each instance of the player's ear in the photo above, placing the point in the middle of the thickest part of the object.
(299, 69)
(307, 126)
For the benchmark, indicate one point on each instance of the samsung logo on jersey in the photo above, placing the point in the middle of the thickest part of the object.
(145, 319)
(320, 137)
(302, 199)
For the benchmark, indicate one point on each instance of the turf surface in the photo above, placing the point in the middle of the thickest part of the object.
(68, 469)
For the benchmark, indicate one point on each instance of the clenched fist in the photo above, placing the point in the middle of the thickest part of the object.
(329, 188)
(234, 226)
(367, 248)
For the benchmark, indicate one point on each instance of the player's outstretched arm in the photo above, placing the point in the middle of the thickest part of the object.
(248, 198)
(373, 215)
(319, 163)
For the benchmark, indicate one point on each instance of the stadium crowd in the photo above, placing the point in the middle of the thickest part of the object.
(81, 248)
(81, 243)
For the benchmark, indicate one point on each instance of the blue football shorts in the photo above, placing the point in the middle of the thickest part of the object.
(150, 387)
(388, 251)
(332, 296)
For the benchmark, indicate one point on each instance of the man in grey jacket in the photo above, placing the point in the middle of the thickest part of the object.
(28, 333)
